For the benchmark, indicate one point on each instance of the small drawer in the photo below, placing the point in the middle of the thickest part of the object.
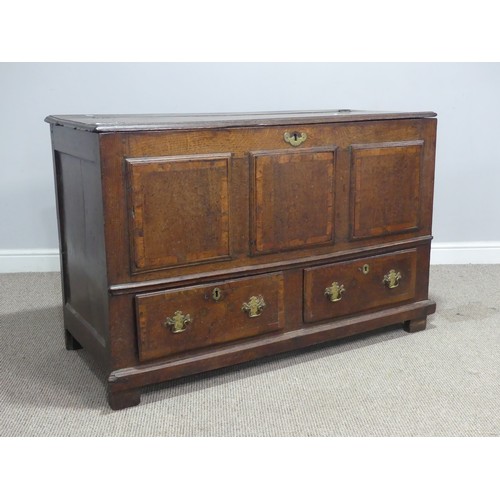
(355, 286)
(174, 321)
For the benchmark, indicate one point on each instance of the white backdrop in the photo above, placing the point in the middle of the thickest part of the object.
(465, 96)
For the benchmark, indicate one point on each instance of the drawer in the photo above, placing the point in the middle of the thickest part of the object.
(358, 285)
(174, 321)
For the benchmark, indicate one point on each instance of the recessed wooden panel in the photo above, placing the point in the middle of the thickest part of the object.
(293, 201)
(82, 236)
(363, 283)
(385, 188)
(214, 318)
(179, 210)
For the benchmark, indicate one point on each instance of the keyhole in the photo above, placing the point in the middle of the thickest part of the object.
(365, 269)
(216, 294)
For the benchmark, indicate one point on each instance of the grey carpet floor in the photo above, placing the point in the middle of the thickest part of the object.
(444, 381)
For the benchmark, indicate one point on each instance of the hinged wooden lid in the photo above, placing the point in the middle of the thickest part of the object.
(126, 123)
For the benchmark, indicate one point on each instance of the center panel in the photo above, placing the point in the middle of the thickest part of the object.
(292, 199)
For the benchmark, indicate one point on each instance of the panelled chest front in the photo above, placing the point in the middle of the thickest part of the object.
(193, 242)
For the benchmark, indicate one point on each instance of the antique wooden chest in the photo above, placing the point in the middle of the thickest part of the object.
(193, 242)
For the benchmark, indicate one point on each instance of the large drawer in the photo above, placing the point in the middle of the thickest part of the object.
(358, 285)
(175, 321)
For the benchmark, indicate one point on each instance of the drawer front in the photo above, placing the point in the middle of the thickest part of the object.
(190, 318)
(355, 286)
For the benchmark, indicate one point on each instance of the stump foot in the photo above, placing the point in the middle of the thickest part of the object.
(71, 343)
(120, 400)
(415, 325)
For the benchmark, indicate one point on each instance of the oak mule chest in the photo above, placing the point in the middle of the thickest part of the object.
(194, 242)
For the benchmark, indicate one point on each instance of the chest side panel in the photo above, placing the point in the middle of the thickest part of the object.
(81, 238)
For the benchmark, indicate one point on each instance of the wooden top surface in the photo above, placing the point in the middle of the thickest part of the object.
(124, 123)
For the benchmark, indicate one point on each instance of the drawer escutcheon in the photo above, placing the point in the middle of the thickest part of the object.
(365, 269)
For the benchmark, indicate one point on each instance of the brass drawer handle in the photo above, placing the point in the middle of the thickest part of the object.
(391, 279)
(295, 138)
(254, 306)
(335, 291)
(178, 322)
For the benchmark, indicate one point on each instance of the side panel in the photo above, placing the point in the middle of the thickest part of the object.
(81, 237)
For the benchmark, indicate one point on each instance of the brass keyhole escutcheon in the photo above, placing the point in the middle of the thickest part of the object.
(365, 269)
(216, 294)
(295, 138)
